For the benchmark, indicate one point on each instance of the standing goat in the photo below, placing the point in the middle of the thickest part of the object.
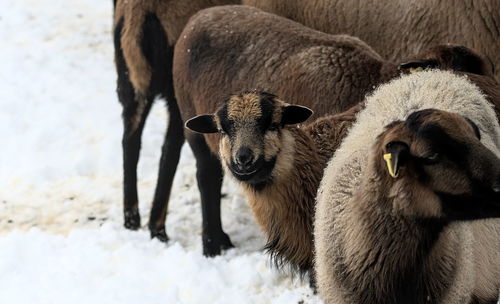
(396, 228)
(144, 36)
(279, 166)
(233, 48)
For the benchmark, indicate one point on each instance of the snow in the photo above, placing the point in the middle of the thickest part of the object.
(61, 234)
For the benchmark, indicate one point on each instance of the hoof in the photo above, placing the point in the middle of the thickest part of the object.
(132, 220)
(159, 234)
(213, 246)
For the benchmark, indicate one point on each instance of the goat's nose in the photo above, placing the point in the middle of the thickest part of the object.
(244, 157)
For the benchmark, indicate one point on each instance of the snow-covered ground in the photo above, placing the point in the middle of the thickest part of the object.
(61, 235)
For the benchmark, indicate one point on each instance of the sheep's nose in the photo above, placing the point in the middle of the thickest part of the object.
(244, 157)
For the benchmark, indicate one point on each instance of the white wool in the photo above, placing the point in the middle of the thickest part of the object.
(393, 101)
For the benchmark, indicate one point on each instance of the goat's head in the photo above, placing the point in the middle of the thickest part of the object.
(451, 57)
(440, 155)
(253, 135)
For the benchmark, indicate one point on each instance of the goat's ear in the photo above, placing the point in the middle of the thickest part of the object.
(418, 65)
(293, 114)
(202, 124)
(396, 157)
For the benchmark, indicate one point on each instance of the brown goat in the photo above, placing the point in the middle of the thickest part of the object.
(269, 53)
(399, 29)
(399, 239)
(144, 36)
(278, 166)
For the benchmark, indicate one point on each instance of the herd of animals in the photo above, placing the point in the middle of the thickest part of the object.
(370, 161)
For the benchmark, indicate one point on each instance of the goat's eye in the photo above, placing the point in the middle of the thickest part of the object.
(431, 159)
(222, 131)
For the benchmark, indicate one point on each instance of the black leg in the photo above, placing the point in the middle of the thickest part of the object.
(209, 176)
(134, 116)
(135, 111)
(172, 145)
(159, 54)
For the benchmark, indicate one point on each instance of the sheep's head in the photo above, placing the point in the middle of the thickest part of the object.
(253, 134)
(440, 156)
(451, 57)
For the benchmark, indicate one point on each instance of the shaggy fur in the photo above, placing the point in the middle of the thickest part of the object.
(489, 87)
(283, 201)
(474, 265)
(398, 29)
(285, 208)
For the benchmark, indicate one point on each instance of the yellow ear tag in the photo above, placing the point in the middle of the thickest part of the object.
(387, 158)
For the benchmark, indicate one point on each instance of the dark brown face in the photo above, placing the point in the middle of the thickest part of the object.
(442, 152)
(253, 135)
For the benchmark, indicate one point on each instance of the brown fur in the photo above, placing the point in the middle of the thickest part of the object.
(398, 29)
(173, 15)
(324, 16)
(262, 51)
(237, 112)
(453, 57)
(394, 241)
(285, 208)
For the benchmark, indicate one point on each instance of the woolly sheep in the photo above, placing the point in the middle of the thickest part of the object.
(467, 253)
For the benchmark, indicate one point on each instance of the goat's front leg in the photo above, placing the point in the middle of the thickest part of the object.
(209, 176)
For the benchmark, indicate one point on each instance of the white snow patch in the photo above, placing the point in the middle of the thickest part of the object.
(111, 265)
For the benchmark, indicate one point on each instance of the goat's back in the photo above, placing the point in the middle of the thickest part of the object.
(227, 49)
(398, 29)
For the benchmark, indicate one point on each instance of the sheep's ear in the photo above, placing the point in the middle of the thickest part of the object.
(293, 114)
(418, 65)
(396, 157)
(202, 124)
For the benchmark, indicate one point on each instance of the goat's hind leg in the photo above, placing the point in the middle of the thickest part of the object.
(159, 54)
(172, 145)
(209, 176)
(135, 112)
(134, 117)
